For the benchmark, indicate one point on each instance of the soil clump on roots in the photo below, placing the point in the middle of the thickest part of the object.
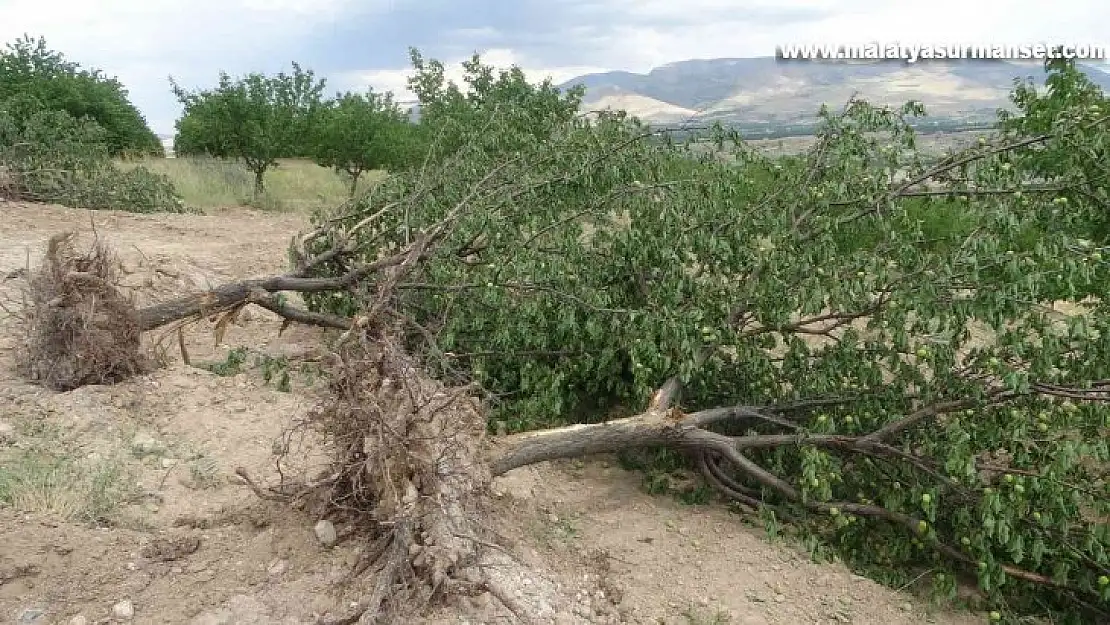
(79, 327)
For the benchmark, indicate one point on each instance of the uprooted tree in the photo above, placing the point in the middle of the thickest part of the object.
(862, 340)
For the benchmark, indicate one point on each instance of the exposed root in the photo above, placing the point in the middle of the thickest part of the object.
(409, 465)
(79, 328)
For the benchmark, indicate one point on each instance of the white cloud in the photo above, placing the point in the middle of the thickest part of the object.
(142, 42)
(396, 80)
(638, 35)
(118, 29)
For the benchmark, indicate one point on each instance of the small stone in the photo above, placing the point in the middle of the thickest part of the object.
(325, 533)
(906, 607)
(780, 598)
(31, 616)
(7, 432)
(145, 445)
(278, 567)
(124, 610)
(79, 620)
(168, 463)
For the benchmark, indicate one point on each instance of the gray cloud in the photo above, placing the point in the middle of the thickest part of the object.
(358, 43)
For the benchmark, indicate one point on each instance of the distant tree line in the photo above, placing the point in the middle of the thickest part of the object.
(260, 119)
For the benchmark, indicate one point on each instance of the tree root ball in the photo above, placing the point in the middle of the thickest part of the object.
(79, 328)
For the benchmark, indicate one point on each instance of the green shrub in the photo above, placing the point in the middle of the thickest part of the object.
(136, 190)
(49, 156)
(34, 73)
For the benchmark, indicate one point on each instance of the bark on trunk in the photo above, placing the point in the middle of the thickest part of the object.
(355, 175)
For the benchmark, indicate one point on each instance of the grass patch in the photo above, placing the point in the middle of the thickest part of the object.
(89, 491)
(276, 371)
(294, 185)
(231, 365)
(695, 617)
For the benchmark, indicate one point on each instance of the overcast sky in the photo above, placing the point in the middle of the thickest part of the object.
(358, 43)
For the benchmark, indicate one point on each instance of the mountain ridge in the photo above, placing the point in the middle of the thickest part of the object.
(769, 93)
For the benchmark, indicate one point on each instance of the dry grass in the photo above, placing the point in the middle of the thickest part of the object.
(89, 491)
(45, 475)
(294, 185)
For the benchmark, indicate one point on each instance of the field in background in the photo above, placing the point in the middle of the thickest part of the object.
(931, 144)
(301, 185)
(294, 185)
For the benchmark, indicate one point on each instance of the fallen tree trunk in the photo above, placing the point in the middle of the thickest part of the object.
(260, 291)
(231, 296)
(674, 430)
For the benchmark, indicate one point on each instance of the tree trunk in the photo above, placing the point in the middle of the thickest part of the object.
(259, 181)
(355, 175)
(263, 292)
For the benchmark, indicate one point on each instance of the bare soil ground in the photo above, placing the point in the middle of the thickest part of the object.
(187, 542)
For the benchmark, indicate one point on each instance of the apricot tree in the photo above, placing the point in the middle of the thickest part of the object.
(255, 118)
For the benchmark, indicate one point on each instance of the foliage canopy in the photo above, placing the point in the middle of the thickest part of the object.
(60, 126)
(256, 118)
(457, 115)
(357, 133)
(35, 78)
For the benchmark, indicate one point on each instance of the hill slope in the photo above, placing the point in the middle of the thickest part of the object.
(771, 93)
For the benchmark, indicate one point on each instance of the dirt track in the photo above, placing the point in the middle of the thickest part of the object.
(192, 545)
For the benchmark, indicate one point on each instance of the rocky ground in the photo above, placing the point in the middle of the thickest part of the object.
(121, 504)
